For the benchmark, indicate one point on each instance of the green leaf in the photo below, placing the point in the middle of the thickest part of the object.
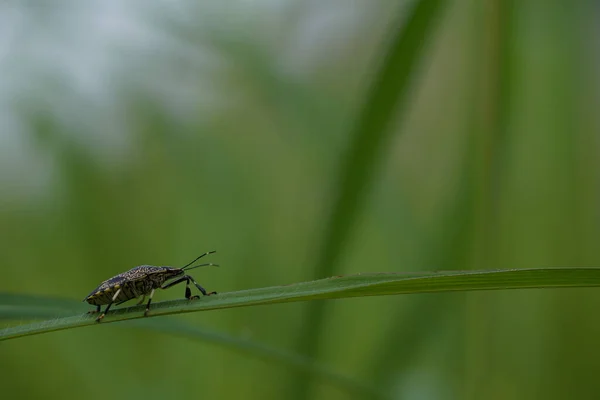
(22, 306)
(387, 99)
(335, 288)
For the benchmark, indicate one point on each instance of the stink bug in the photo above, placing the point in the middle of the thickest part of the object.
(142, 281)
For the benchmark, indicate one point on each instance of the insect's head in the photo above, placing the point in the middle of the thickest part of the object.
(190, 265)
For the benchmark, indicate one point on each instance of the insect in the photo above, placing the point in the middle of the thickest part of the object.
(142, 281)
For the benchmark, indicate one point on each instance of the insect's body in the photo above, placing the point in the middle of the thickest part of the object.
(136, 282)
(142, 281)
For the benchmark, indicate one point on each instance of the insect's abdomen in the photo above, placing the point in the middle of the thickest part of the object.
(129, 290)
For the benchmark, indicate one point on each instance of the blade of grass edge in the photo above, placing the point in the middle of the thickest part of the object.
(335, 288)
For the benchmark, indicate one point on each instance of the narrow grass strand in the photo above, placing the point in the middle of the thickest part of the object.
(27, 307)
(359, 285)
(386, 100)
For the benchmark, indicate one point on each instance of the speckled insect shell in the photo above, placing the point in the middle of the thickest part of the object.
(138, 281)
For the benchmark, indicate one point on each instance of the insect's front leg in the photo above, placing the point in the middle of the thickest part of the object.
(188, 292)
(201, 289)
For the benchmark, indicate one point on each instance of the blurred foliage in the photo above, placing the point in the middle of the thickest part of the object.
(146, 133)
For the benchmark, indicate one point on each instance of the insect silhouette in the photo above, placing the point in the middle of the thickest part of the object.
(142, 281)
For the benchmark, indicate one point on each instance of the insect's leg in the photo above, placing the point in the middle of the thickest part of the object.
(108, 306)
(200, 288)
(104, 313)
(148, 305)
(175, 282)
(188, 292)
(96, 311)
(142, 300)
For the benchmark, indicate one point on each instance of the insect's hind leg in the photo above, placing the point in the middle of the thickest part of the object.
(149, 301)
(108, 306)
(96, 311)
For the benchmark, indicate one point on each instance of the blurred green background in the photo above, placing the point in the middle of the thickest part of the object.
(149, 132)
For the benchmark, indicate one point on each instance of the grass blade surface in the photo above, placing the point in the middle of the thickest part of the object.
(335, 288)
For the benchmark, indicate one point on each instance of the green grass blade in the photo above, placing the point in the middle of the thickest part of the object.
(22, 306)
(373, 129)
(386, 99)
(336, 288)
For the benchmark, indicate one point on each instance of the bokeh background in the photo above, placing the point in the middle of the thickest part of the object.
(149, 132)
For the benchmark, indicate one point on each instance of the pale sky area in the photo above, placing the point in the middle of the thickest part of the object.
(75, 60)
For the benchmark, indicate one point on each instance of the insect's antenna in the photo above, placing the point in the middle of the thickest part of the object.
(197, 258)
(202, 265)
